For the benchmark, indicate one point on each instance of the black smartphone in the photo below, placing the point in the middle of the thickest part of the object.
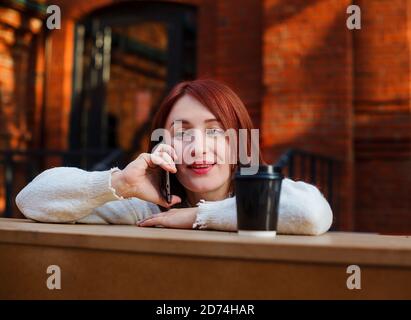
(165, 185)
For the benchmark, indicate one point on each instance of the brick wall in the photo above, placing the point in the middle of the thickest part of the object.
(307, 100)
(21, 77)
(383, 117)
(307, 81)
(238, 56)
(217, 25)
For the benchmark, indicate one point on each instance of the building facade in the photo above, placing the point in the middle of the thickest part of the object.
(309, 83)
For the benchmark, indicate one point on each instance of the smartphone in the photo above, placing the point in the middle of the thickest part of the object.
(165, 186)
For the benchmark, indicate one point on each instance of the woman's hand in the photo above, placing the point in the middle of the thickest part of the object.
(141, 177)
(183, 218)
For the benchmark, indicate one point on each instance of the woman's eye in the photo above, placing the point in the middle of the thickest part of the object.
(186, 134)
(179, 134)
(214, 132)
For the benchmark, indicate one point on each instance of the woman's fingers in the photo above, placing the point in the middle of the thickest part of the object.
(174, 200)
(162, 156)
(175, 218)
(154, 215)
(162, 147)
(151, 221)
(151, 190)
(160, 161)
(166, 152)
(163, 160)
(167, 158)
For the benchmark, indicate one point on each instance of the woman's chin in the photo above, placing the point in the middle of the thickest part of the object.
(201, 188)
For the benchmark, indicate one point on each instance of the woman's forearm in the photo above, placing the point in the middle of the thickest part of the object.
(119, 184)
(302, 210)
(65, 194)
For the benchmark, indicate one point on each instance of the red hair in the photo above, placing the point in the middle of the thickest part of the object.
(223, 103)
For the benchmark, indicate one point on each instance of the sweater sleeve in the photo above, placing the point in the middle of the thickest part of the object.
(69, 195)
(302, 210)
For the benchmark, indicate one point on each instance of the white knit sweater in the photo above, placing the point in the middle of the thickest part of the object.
(72, 195)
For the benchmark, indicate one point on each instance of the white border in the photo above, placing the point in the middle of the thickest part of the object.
(257, 233)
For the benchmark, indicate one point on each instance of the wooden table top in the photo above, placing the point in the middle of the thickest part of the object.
(332, 247)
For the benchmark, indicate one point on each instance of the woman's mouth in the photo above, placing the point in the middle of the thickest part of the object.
(201, 168)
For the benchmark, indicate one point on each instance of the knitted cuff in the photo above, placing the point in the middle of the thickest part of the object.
(217, 215)
(100, 189)
(110, 186)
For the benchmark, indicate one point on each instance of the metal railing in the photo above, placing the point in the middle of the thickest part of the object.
(315, 169)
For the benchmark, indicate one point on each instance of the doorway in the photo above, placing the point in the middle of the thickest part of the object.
(127, 58)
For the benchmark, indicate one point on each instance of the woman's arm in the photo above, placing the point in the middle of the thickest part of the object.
(302, 210)
(67, 194)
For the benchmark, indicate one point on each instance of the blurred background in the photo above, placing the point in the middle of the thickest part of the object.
(332, 104)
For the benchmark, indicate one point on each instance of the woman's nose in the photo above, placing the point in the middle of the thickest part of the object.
(198, 145)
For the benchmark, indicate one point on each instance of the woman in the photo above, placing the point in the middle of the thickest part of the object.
(201, 110)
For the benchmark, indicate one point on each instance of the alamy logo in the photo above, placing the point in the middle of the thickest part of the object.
(54, 18)
(54, 280)
(354, 280)
(191, 139)
(354, 20)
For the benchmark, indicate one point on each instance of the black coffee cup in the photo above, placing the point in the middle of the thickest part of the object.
(258, 198)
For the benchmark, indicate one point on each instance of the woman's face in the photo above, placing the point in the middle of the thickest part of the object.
(200, 143)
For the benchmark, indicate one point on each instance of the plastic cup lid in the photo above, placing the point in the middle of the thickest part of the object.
(264, 171)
